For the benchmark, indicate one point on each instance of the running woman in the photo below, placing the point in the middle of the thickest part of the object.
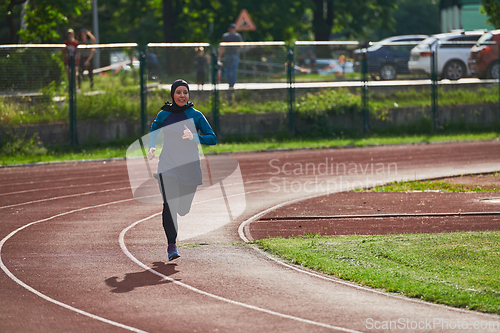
(179, 169)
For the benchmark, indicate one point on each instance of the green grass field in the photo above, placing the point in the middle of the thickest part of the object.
(458, 269)
(430, 185)
(29, 151)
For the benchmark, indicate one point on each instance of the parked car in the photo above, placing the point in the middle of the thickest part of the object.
(388, 57)
(483, 60)
(451, 59)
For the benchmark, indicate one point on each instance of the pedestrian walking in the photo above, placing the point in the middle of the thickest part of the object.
(231, 54)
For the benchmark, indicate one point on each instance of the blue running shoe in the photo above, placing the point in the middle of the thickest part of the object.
(172, 252)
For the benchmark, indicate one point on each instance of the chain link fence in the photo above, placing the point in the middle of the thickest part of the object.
(249, 89)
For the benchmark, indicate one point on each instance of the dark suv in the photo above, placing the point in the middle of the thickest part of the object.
(388, 57)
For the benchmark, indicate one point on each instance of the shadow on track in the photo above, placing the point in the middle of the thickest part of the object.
(141, 279)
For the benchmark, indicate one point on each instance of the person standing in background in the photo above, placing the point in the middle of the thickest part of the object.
(231, 53)
(86, 54)
(201, 62)
(70, 50)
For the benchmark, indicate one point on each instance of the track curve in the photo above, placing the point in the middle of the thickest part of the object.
(77, 258)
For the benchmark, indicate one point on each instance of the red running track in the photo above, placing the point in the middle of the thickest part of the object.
(78, 254)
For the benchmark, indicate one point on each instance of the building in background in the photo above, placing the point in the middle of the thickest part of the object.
(462, 14)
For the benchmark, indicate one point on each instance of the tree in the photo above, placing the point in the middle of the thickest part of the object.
(492, 9)
(417, 17)
(207, 20)
(355, 17)
(10, 18)
(412, 17)
(42, 17)
(144, 21)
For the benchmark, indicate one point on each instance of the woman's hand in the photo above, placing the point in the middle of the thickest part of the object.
(151, 153)
(187, 133)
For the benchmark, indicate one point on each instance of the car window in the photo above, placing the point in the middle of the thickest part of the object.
(401, 48)
(463, 41)
(487, 37)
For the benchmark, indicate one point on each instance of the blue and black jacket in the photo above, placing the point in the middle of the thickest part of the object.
(180, 158)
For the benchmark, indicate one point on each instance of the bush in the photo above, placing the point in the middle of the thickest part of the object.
(30, 69)
(20, 145)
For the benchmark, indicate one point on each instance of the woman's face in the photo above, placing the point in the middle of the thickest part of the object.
(181, 95)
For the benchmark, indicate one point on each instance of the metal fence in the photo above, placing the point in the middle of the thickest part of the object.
(41, 83)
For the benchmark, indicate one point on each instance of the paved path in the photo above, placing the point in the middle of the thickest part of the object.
(78, 254)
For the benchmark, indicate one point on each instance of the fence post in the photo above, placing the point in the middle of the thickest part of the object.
(434, 82)
(72, 100)
(291, 91)
(215, 92)
(364, 78)
(143, 87)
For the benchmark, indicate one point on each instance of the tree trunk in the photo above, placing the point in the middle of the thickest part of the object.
(322, 21)
(10, 19)
(169, 22)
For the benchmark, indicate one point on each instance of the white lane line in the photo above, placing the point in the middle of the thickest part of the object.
(220, 298)
(62, 187)
(63, 179)
(241, 233)
(63, 197)
(244, 224)
(47, 298)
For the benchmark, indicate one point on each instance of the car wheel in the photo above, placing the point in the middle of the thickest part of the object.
(454, 70)
(388, 72)
(493, 70)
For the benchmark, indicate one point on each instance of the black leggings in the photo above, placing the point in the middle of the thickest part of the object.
(177, 199)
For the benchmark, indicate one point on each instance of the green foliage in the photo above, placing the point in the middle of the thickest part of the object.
(356, 18)
(492, 9)
(423, 98)
(33, 109)
(340, 101)
(416, 17)
(30, 69)
(137, 21)
(411, 17)
(15, 145)
(204, 21)
(43, 16)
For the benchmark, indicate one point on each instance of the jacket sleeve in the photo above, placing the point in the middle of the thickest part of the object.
(208, 137)
(156, 125)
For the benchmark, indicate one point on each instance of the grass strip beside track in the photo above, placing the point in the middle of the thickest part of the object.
(90, 153)
(457, 269)
(434, 185)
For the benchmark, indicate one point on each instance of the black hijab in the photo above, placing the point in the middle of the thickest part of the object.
(172, 107)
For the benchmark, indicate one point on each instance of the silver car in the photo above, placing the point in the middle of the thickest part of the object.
(452, 52)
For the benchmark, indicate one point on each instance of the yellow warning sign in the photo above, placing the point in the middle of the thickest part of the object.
(244, 22)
